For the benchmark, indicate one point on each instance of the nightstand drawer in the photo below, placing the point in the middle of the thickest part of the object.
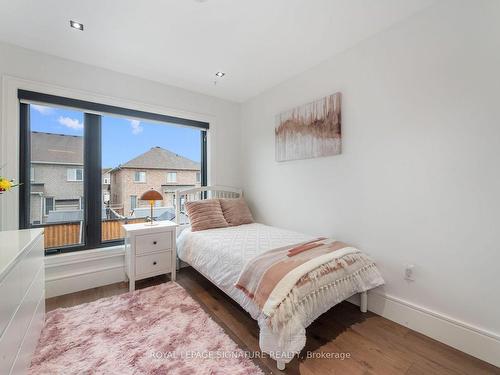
(152, 263)
(148, 243)
(150, 250)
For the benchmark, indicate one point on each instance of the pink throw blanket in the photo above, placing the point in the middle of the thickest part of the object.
(262, 274)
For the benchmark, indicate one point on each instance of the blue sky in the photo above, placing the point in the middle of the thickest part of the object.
(122, 139)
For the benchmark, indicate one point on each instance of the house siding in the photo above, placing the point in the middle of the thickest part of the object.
(36, 208)
(55, 184)
(123, 185)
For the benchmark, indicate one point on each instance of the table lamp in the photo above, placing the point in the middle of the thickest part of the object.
(151, 196)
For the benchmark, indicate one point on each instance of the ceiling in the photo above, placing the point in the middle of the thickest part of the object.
(258, 43)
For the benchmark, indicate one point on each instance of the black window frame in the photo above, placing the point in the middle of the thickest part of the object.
(92, 169)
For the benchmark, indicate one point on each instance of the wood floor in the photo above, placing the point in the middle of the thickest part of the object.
(375, 345)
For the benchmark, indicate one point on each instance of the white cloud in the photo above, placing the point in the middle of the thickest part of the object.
(136, 126)
(42, 109)
(71, 123)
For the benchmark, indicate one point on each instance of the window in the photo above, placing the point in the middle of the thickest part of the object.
(198, 177)
(49, 205)
(68, 144)
(67, 205)
(129, 147)
(171, 177)
(55, 159)
(75, 174)
(140, 177)
(133, 202)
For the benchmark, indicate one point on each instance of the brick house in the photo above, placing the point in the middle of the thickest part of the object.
(157, 168)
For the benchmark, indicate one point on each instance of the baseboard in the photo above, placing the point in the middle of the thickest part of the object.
(74, 272)
(469, 339)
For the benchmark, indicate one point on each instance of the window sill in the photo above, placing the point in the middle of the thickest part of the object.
(84, 255)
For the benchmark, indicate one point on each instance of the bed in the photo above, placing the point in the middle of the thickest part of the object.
(221, 254)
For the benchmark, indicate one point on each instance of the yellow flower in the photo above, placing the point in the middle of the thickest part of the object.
(5, 184)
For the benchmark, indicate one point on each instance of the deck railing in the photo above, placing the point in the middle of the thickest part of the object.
(62, 234)
(71, 233)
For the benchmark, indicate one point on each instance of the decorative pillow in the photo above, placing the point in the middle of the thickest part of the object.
(205, 214)
(236, 211)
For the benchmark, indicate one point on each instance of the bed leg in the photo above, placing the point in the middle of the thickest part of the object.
(280, 365)
(363, 305)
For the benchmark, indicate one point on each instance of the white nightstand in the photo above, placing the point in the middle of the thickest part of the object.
(150, 250)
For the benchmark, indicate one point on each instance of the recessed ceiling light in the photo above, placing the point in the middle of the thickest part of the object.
(220, 74)
(76, 25)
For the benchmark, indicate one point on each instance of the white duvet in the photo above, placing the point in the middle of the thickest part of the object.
(220, 255)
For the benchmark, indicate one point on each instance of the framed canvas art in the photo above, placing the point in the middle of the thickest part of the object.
(310, 131)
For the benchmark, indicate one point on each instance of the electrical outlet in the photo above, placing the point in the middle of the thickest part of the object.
(409, 272)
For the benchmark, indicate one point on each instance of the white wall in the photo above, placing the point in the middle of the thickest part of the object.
(418, 180)
(224, 167)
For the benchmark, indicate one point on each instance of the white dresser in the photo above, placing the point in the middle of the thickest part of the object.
(22, 297)
(150, 250)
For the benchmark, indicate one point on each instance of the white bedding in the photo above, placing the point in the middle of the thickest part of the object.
(220, 255)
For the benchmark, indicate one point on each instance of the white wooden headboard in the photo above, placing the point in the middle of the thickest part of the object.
(196, 194)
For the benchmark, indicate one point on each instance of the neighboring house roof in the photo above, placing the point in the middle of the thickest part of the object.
(68, 149)
(159, 158)
(56, 148)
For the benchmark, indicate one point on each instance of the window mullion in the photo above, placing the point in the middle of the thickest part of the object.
(92, 179)
(24, 166)
(204, 167)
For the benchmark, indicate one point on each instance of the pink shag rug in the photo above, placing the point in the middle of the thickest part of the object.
(158, 330)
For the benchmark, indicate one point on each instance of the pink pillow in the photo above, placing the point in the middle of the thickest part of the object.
(205, 214)
(236, 211)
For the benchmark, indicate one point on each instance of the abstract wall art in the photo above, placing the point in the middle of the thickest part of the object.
(310, 131)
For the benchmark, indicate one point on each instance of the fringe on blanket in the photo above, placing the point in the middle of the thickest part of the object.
(326, 286)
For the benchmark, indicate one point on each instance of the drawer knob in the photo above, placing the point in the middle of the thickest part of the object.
(154, 242)
(154, 263)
